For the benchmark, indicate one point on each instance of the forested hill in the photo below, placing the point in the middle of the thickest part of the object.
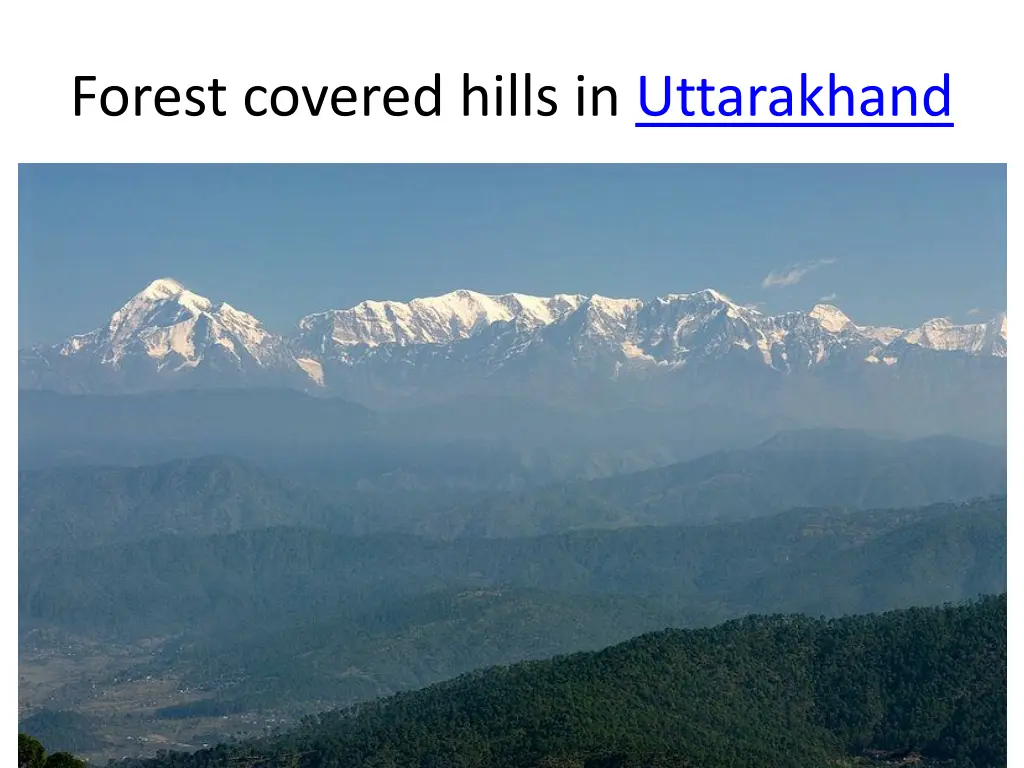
(774, 692)
(361, 491)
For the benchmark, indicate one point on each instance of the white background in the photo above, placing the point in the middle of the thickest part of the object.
(289, 43)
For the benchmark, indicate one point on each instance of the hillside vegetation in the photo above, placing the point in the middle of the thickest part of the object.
(778, 692)
(273, 618)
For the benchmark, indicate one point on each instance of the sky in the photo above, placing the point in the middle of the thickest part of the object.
(889, 244)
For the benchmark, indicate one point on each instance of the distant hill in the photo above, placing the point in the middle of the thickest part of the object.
(90, 506)
(813, 468)
(924, 685)
(607, 591)
(809, 468)
(476, 443)
(822, 560)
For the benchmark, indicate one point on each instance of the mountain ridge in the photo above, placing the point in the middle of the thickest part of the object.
(698, 347)
(459, 315)
(79, 506)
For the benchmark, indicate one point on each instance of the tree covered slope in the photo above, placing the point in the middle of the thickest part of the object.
(762, 691)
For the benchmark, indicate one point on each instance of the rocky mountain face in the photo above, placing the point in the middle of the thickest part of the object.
(682, 351)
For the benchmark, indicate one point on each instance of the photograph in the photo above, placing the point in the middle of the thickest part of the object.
(512, 465)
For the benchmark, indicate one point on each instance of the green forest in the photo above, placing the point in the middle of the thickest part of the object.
(32, 754)
(776, 691)
(298, 620)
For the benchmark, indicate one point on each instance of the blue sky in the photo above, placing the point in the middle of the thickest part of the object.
(894, 244)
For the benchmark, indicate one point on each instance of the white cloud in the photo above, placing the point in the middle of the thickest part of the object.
(828, 297)
(793, 274)
(974, 311)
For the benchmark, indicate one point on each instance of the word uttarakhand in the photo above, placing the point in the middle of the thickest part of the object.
(783, 101)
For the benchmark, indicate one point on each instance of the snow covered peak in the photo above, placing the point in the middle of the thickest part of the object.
(830, 317)
(614, 306)
(942, 334)
(463, 310)
(167, 289)
(937, 333)
(540, 311)
(708, 295)
(171, 326)
(161, 288)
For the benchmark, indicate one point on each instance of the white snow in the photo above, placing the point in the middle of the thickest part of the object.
(161, 288)
(831, 318)
(614, 308)
(166, 322)
(537, 310)
(883, 333)
(312, 368)
(434, 319)
(632, 351)
(942, 334)
(166, 319)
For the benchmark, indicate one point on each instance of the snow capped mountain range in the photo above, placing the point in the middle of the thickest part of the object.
(435, 320)
(167, 336)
